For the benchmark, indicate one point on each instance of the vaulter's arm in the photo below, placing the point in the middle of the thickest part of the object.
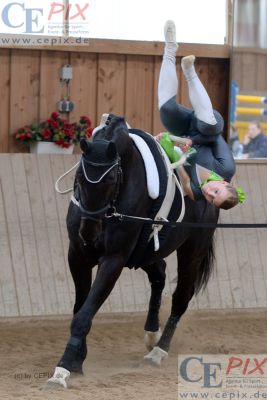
(185, 181)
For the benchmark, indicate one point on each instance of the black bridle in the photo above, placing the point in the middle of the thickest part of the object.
(109, 208)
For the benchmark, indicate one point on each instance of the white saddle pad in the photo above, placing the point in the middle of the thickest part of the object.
(152, 174)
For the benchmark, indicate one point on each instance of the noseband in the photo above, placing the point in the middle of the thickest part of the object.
(110, 207)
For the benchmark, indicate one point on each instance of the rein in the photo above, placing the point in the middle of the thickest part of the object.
(123, 217)
(63, 176)
(174, 224)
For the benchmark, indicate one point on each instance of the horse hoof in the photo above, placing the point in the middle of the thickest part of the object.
(59, 379)
(152, 338)
(156, 356)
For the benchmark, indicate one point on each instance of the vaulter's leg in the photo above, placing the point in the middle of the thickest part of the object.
(156, 275)
(175, 117)
(207, 121)
(168, 81)
(198, 95)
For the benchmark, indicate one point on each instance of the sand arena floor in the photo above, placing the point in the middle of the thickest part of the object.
(114, 368)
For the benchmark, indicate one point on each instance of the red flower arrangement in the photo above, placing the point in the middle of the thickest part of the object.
(57, 130)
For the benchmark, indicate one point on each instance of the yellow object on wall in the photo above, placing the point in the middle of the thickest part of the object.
(251, 99)
(249, 111)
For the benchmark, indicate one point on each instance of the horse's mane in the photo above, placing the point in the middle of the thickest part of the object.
(114, 120)
(112, 126)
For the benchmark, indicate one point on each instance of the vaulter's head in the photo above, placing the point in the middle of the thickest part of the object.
(221, 194)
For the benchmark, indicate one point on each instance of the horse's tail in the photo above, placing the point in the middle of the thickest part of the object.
(206, 268)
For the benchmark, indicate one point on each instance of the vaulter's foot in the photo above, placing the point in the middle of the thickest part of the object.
(187, 62)
(188, 67)
(170, 34)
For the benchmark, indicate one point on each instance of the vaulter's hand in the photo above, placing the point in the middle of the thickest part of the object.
(159, 136)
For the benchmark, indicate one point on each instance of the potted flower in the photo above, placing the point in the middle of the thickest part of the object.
(55, 135)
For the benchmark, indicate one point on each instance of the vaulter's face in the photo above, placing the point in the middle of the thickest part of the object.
(215, 192)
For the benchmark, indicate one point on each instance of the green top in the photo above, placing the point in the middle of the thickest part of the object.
(212, 177)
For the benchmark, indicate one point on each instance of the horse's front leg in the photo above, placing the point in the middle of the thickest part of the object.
(81, 270)
(156, 275)
(109, 270)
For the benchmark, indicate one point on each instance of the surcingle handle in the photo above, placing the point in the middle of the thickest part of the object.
(156, 237)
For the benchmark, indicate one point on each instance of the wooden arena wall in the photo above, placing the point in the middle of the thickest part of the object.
(249, 66)
(34, 276)
(119, 77)
(108, 76)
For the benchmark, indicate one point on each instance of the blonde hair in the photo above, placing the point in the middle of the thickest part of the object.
(232, 200)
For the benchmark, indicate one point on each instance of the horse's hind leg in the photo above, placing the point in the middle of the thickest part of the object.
(194, 267)
(156, 275)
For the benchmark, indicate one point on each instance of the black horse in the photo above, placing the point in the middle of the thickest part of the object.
(111, 175)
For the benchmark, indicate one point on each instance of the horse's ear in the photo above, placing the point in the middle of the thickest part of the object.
(85, 146)
(111, 150)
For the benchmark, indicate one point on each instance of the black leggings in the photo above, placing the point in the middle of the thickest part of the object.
(181, 121)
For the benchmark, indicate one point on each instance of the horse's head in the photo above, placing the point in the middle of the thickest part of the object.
(98, 177)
